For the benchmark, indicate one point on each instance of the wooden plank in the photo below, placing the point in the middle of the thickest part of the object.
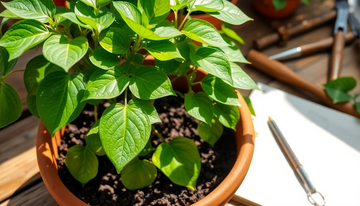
(18, 164)
(36, 195)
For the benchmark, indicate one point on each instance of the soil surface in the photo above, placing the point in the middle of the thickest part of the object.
(106, 188)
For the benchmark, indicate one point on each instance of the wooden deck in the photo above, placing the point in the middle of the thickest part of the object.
(20, 181)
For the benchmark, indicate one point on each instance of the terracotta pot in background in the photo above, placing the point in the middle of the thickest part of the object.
(60, 2)
(47, 152)
(266, 8)
(214, 21)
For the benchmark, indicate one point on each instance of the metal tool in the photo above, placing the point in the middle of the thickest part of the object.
(295, 164)
(307, 49)
(342, 8)
(354, 18)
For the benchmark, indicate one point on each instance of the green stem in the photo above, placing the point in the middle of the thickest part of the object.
(22, 70)
(96, 113)
(183, 22)
(174, 79)
(176, 18)
(189, 83)
(195, 83)
(158, 134)
(180, 94)
(125, 98)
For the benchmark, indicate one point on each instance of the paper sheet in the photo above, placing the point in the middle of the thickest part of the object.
(325, 141)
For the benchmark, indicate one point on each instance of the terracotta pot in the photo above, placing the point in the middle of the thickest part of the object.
(214, 21)
(60, 2)
(47, 152)
(266, 8)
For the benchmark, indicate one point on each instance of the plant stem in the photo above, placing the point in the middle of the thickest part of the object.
(96, 113)
(176, 18)
(173, 80)
(125, 98)
(22, 70)
(158, 134)
(182, 23)
(195, 83)
(179, 93)
(189, 83)
(95, 37)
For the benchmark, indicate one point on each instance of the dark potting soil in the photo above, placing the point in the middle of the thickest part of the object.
(106, 188)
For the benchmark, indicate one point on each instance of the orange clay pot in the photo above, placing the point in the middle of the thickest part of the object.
(47, 152)
(266, 8)
(214, 21)
(60, 2)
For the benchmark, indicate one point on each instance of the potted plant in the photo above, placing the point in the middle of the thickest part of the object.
(277, 9)
(97, 52)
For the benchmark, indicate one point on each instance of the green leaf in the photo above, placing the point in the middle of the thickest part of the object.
(213, 61)
(36, 69)
(147, 109)
(93, 140)
(206, 5)
(179, 160)
(231, 34)
(63, 52)
(228, 115)
(155, 10)
(5, 65)
(22, 36)
(179, 4)
(204, 32)
(240, 79)
(233, 51)
(220, 91)
(249, 104)
(148, 148)
(132, 17)
(103, 59)
(82, 163)
(138, 174)
(210, 134)
(149, 83)
(31, 104)
(338, 89)
(169, 67)
(106, 84)
(10, 105)
(72, 17)
(115, 40)
(124, 132)
(41, 10)
(92, 3)
(163, 50)
(7, 14)
(279, 4)
(199, 106)
(102, 3)
(98, 22)
(58, 99)
(231, 14)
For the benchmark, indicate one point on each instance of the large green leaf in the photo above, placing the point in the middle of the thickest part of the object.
(99, 21)
(210, 134)
(115, 40)
(58, 99)
(218, 90)
(138, 174)
(10, 104)
(22, 36)
(147, 109)
(213, 61)
(199, 106)
(231, 14)
(338, 89)
(7, 14)
(228, 115)
(103, 59)
(36, 69)
(97, 3)
(240, 79)
(124, 132)
(179, 160)
(206, 5)
(132, 17)
(155, 11)
(163, 50)
(106, 84)
(5, 65)
(179, 4)
(41, 10)
(93, 140)
(231, 33)
(149, 83)
(31, 104)
(233, 51)
(82, 163)
(63, 52)
(204, 32)
(72, 17)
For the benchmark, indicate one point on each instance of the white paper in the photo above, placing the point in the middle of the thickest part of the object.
(326, 142)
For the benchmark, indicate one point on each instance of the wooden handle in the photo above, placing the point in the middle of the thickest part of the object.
(305, 25)
(282, 72)
(337, 55)
(323, 44)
